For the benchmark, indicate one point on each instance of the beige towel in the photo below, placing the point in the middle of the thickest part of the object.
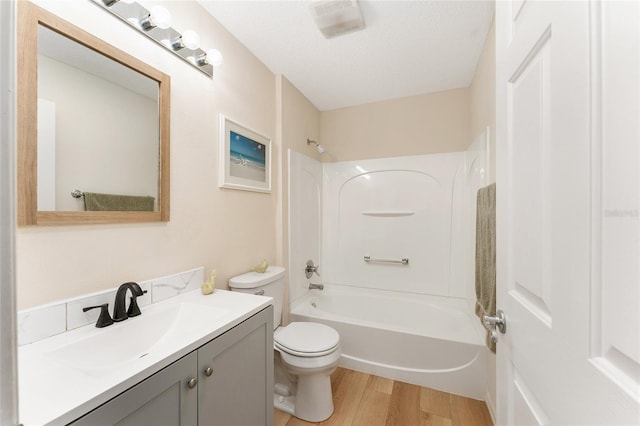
(486, 255)
(118, 203)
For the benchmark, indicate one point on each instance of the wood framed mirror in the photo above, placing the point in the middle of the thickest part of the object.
(91, 120)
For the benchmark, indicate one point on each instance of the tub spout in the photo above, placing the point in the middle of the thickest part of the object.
(316, 286)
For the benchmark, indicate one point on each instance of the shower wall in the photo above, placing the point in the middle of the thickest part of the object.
(420, 207)
(305, 222)
(395, 208)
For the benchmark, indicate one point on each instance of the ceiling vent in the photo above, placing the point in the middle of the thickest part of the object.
(336, 17)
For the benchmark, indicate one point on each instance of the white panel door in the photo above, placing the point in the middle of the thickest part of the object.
(568, 254)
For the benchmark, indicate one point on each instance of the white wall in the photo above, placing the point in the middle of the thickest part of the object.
(227, 230)
(46, 155)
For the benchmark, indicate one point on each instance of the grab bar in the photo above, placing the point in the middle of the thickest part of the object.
(404, 260)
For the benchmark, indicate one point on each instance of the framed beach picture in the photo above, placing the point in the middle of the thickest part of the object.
(245, 158)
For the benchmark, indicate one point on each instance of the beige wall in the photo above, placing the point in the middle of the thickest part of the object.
(483, 98)
(297, 120)
(424, 124)
(227, 230)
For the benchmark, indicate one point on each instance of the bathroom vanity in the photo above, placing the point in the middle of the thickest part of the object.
(210, 363)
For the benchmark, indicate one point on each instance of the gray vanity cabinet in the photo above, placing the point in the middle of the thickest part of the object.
(161, 399)
(226, 382)
(235, 387)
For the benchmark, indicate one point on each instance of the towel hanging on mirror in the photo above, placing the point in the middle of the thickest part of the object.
(118, 203)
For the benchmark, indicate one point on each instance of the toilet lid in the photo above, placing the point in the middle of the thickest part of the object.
(306, 338)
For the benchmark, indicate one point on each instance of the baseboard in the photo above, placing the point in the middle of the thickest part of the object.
(491, 406)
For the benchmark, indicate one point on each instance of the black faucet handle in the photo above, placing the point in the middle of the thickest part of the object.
(104, 319)
(134, 309)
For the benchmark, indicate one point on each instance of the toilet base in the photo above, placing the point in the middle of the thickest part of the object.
(314, 402)
(286, 404)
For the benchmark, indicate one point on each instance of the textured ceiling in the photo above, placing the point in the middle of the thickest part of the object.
(407, 48)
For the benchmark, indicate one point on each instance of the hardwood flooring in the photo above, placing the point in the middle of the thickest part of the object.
(361, 399)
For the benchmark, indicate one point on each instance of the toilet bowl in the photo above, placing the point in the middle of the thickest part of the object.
(308, 352)
(311, 352)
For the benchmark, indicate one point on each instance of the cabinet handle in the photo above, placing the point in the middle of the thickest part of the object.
(192, 383)
(208, 372)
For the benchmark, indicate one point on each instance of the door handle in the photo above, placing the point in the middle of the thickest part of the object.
(499, 322)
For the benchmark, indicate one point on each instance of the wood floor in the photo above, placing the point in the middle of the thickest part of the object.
(361, 399)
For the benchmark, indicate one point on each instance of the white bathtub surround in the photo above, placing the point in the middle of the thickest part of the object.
(45, 321)
(305, 221)
(477, 173)
(426, 340)
(395, 208)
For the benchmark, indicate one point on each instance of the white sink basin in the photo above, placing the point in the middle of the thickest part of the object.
(157, 330)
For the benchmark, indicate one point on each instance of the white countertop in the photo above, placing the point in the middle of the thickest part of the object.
(52, 391)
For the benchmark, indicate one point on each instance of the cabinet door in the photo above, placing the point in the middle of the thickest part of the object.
(162, 399)
(239, 389)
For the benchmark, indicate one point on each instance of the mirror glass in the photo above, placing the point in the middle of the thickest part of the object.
(98, 126)
(93, 129)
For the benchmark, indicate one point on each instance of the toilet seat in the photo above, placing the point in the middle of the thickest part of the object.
(306, 339)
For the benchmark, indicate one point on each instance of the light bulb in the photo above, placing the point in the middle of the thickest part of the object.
(161, 17)
(191, 39)
(320, 149)
(214, 57)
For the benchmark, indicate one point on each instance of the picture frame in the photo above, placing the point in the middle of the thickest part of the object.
(245, 157)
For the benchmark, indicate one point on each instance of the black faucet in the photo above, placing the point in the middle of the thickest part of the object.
(104, 319)
(119, 310)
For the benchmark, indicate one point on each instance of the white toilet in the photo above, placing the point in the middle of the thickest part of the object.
(307, 351)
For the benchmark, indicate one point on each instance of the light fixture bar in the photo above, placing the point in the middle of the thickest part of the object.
(142, 20)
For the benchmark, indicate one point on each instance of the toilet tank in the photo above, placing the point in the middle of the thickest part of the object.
(270, 283)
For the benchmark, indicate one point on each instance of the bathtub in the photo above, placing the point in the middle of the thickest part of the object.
(431, 341)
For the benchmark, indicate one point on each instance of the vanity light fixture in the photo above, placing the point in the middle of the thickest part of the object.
(177, 44)
(110, 3)
(156, 24)
(158, 17)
